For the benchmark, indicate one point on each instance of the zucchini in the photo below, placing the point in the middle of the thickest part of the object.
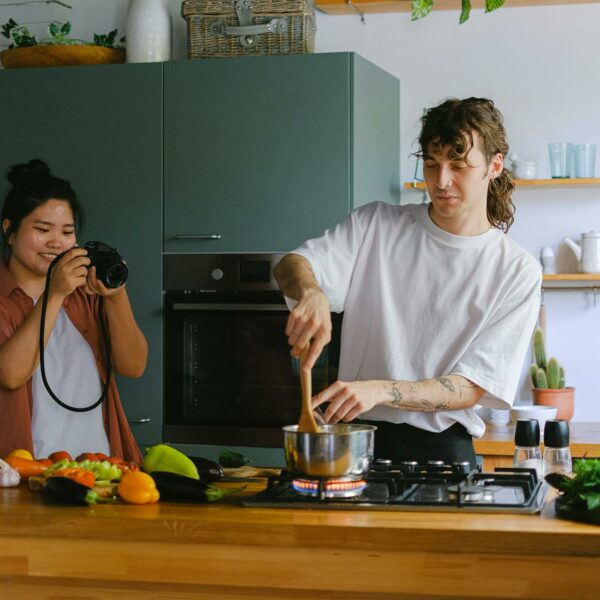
(228, 458)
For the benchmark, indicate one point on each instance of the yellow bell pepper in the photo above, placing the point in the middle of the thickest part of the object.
(138, 488)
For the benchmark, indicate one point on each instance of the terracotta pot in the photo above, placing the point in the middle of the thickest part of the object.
(563, 399)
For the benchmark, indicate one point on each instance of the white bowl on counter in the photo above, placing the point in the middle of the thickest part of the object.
(529, 411)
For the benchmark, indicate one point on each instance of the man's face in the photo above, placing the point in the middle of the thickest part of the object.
(458, 186)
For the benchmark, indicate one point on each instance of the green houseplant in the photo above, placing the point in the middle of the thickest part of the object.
(548, 381)
(58, 48)
(421, 8)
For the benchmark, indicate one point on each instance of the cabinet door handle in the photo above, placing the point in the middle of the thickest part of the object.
(199, 236)
(142, 420)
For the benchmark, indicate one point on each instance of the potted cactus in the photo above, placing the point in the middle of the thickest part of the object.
(548, 381)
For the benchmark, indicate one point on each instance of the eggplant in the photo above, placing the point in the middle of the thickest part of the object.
(185, 489)
(63, 490)
(208, 470)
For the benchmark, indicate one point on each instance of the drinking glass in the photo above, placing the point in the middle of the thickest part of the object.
(585, 159)
(560, 159)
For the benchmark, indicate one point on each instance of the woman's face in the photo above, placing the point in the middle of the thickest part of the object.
(43, 234)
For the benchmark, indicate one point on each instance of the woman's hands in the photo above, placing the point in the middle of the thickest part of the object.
(309, 323)
(95, 286)
(73, 270)
(70, 272)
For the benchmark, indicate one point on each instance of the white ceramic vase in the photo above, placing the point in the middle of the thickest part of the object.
(148, 31)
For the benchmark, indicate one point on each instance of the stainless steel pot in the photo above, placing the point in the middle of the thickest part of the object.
(342, 450)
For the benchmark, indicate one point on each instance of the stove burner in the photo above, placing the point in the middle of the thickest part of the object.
(329, 488)
(470, 493)
(410, 486)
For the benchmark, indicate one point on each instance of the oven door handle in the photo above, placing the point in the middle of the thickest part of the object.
(226, 306)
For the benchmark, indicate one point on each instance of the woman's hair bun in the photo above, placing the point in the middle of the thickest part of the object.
(34, 170)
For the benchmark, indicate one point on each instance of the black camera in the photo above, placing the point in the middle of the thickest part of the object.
(110, 268)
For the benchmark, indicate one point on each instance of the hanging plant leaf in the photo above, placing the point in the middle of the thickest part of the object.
(465, 11)
(420, 8)
(54, 29)
(6, 28)
(491, 5)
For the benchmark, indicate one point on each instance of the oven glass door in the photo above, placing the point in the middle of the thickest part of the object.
(230, 377)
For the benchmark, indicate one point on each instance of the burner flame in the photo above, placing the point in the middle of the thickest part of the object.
(330, 488)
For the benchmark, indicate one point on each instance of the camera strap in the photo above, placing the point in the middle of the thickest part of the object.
(104, 338)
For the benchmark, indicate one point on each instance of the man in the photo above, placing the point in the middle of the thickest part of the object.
(439, 304)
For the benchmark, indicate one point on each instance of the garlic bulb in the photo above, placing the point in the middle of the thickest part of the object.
(9, 477)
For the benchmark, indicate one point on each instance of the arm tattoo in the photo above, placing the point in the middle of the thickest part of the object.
(446, 383)
(396, 396)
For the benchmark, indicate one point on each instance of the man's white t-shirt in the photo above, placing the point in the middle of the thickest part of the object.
(72, 373)
(420, 302)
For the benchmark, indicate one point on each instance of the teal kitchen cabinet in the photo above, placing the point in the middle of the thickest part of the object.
(101, 128)
(262, 153)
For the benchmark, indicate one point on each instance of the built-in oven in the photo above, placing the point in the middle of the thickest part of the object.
(229, 376)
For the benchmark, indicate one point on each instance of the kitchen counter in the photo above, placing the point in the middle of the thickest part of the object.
(498, 443)
(226, 551)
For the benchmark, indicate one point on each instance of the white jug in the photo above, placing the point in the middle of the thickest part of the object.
(587, 252)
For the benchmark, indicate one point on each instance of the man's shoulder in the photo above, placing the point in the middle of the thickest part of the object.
(521, 265)
(389, 213)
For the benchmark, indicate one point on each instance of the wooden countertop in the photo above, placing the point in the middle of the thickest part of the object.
(500, 440)
(226, 551)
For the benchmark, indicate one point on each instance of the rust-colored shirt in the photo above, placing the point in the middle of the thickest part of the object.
(16, 405)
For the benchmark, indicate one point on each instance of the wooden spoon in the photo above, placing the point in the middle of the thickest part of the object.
(307, 423)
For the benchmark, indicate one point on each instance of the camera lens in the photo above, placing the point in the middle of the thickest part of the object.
(116, 275)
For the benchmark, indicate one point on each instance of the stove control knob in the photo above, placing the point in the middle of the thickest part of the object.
(435, 463)
(382, 464)
(217, 274)
(462, 467)
(409, 466)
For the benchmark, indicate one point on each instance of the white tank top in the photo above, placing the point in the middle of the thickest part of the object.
(72, 373)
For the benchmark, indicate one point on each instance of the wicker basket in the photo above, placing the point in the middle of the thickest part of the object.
(249, 27)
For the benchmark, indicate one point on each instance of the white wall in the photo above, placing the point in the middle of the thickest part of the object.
(539, 64)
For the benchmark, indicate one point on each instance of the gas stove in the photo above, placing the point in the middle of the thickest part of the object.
(434, 486)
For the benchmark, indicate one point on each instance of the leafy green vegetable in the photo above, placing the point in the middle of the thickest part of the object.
(581, 493)
(227, 458)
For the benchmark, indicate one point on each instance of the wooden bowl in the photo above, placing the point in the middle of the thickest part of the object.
(57, 55)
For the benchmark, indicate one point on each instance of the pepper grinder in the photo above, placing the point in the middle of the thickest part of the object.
(527, 445)
(557, 455)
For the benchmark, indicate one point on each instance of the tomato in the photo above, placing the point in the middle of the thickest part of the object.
(87, 456)
(61, 455)
(45, 461)
(21, 454)
(101, 456)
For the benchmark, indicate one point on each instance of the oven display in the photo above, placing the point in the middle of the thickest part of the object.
(255, 271)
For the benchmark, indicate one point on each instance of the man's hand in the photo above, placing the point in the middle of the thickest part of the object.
(349, 399)
(309, 323)
(70, 272)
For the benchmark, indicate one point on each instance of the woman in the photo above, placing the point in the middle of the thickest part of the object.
(39, 218)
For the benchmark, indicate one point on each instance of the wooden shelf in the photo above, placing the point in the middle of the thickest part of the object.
(572, 277)
(343, 7)
(574, 282)
(548, 183)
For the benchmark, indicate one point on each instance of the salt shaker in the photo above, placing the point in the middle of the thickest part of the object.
(557, 455)
(527, 445)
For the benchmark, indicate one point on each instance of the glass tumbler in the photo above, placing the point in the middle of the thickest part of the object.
(584, 156)
(560, 154)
